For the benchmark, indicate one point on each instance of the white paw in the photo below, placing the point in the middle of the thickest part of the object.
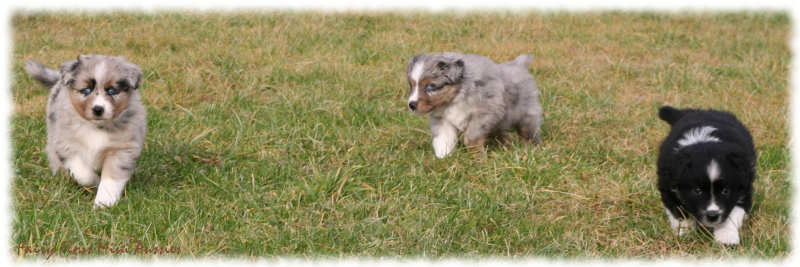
(727, 236)
(443, 145)
(680, 226)
(686, 226)
(441, 153)
(102, 202)
(445, 137)
(108, 193)
(82, 173)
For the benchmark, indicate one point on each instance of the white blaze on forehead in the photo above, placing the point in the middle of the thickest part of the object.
(100, 100)
(416, 71)
(100, 72)
(415, 75)
(698, 135)
(713, 171)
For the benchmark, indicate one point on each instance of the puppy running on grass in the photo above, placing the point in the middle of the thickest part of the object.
(95, 121)
(706, 169)
(472, 94)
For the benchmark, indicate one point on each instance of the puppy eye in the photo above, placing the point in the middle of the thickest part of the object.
(697, 191)
(112, 91)
(430, 88)
(86, 91)
(726, 191)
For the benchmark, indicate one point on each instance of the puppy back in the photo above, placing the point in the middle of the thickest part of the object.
(46, 76)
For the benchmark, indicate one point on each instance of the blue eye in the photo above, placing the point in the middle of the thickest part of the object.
(86, 91)
(112, 91)
(430, 87)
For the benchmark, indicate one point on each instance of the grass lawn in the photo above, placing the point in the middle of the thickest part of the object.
(285, 134)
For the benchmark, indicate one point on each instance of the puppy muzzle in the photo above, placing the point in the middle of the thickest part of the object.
(711, 217)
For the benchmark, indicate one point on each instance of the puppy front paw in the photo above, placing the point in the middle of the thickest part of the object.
(680, 226)
(102, 201)
(443, 145)
(685, 226)
(727, 236)
(108, 193)
(83, 174)
(441, 153)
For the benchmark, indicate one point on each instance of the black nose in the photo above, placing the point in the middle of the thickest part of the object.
(412, 105)
(712, 215)
(98, 110)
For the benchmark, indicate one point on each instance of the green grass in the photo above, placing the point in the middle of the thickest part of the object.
(285, 134)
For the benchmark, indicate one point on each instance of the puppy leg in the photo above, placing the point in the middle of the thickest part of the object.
(503, 137)
(116, 173)
(445, 137)
(530, 133)
(82, 172)
(680, 226)
(477, 132)
(530, 128)
(56, 162)
(476, 144)
(728, 232)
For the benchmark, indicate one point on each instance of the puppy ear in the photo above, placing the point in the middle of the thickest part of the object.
(684, 157)
(134, 75)
(413, 60)
(68, 70)
(454, 71)
(666, 171)
(738, 159)
(411, 63)
(684, 164)
(131, 72)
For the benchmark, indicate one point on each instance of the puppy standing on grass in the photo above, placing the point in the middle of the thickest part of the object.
(472, 94)
(706, 168)
(95, 121)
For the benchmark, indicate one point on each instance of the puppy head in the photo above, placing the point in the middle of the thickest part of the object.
(434, 81)
(710, 179)
(100, 86)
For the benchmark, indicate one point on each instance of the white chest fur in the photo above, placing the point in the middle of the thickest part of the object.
(90, 144)
(457, 114)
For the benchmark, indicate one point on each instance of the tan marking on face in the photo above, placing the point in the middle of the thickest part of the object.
(430, 100)
(113, 105)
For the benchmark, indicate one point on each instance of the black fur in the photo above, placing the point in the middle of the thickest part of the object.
(682, 170)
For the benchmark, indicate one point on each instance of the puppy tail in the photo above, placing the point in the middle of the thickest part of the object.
(523, 61)
(46, 76)
(670, 114)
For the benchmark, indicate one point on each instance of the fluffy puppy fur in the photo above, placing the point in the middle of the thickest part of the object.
(706, 168)
(472, 94)
(95, 121)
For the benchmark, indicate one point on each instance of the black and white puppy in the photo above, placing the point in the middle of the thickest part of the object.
(706, 168)
(472, 94)
(95, 121)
